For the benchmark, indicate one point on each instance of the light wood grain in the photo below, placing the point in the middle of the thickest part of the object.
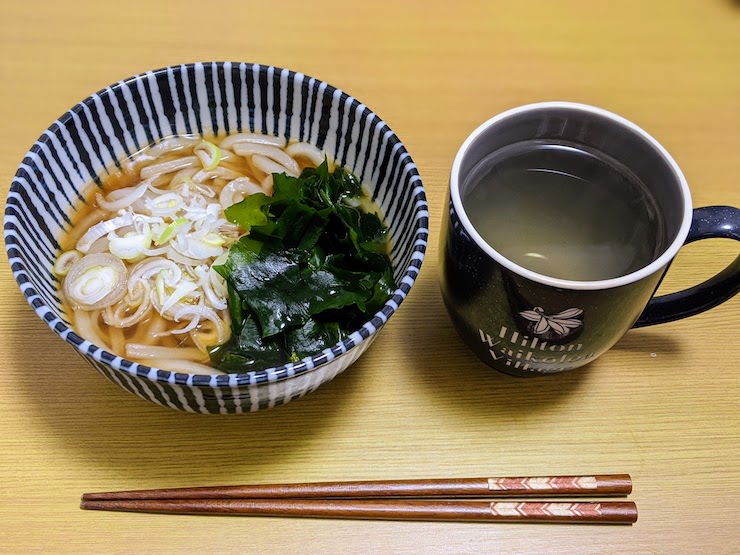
(662, 406)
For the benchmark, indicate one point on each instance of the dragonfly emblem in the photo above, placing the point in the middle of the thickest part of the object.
(560, 324)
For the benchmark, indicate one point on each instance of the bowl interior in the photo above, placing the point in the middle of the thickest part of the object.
(205, 98)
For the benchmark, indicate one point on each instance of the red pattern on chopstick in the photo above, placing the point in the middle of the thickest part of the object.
(551, 483)
(547, 510)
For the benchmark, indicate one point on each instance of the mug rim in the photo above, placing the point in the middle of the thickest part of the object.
(659, 262)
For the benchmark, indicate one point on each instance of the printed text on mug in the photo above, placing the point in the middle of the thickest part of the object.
(530, 353)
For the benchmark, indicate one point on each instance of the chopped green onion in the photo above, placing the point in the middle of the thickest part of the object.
(95, 281)
(170, 230)
(213, 239)
(65, 262)
(209, 155)
(130, 246)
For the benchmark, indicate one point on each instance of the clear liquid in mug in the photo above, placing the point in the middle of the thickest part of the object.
(563, 211)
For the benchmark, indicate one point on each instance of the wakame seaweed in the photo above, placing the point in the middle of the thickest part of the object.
(312, 268)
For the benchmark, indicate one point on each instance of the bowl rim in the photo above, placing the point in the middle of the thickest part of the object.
(419, 223)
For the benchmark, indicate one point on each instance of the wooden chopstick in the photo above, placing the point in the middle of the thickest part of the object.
(607, 512)
(542, 486)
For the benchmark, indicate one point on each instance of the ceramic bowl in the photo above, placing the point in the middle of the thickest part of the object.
(208, 98)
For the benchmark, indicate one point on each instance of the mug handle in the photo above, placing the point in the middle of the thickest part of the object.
(707, 223)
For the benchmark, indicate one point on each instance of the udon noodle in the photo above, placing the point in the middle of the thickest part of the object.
(137, 267)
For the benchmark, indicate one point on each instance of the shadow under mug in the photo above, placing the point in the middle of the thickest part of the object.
(528, 324)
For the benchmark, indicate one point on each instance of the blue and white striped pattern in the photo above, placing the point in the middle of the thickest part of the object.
(83, 145)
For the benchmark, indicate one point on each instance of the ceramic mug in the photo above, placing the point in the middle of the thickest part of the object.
(527, 324)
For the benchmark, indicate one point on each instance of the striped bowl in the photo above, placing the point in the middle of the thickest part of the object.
(208, 98)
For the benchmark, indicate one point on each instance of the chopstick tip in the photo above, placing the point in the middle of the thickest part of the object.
(93, 505)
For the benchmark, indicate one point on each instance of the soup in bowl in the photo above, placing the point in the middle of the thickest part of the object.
(217, 237)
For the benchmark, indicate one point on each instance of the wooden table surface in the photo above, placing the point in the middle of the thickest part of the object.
(662, 405)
